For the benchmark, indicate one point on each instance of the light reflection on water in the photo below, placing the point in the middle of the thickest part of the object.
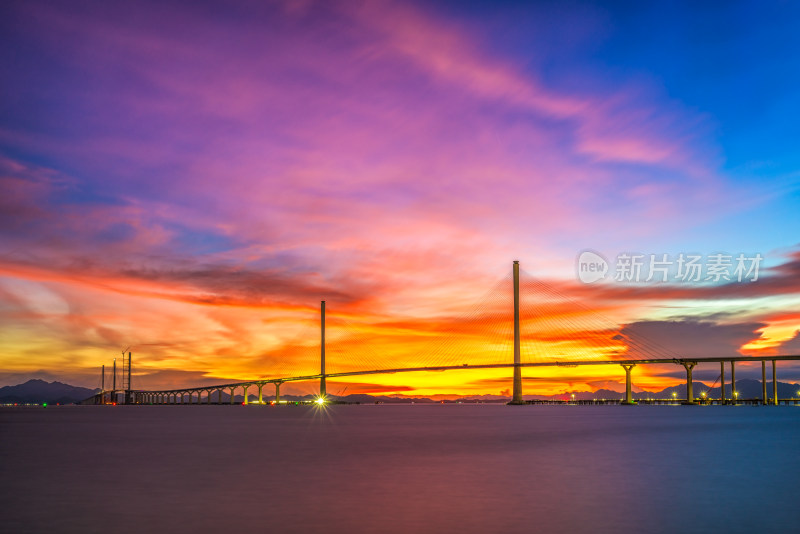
(420, 468)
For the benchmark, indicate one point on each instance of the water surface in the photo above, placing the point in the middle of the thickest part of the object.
(408, 468)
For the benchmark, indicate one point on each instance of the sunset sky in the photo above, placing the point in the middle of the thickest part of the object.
(191, 179)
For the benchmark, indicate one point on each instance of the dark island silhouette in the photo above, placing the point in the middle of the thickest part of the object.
(37, 391)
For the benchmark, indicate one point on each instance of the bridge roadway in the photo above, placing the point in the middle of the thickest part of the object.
(171, 396)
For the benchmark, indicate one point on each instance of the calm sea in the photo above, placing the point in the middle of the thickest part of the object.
(410, 468)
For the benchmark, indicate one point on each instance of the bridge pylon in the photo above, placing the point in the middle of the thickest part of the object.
(322, 386)
(516, 397)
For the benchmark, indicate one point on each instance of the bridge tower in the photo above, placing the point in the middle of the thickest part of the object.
(322, 391)
(126, 377)
(516, 397)
(114, 384)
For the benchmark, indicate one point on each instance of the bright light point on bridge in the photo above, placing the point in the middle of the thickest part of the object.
(320, 400)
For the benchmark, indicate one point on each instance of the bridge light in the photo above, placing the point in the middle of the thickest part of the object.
(320, 400)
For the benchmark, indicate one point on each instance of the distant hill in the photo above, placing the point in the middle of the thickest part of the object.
(747, 389)
(39, 391)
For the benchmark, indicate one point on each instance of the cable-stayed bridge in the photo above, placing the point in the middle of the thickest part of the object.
(544, 329)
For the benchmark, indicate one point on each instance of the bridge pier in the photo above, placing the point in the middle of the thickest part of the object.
(689, 392)
(232, 392)
(628, 394)
(277, 392)
(734, 395)
(722, 382)
(774, 384)
(260, 398)
(764, 382)
(245, 393)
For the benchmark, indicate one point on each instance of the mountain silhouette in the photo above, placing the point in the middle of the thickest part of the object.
(38, 391)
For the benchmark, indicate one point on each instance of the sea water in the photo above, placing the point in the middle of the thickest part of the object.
(399, 468)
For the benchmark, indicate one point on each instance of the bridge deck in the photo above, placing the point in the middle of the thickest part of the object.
(478, 366)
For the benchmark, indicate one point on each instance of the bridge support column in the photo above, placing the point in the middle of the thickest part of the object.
(245, 394)
(232, 392)
(734, 394)
(516, 395)
(774, 384)
(722, 382)
(764, 383)
(260, 398)
(689, 392)
(628, 394)
(277, 392)
(322, 386)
